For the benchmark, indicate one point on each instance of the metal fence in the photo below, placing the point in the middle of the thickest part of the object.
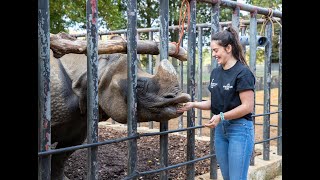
(44, 93)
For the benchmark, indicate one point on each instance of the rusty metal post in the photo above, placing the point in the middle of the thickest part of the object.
(92, 84)
(215, 27)
(199, 111)
(164, 35)
(191, 88)
(44, 94)
(132, 85)
(235, 18)
(180, 126)
(150, 70)
(266, 93)
(252, 64)
(279, 142)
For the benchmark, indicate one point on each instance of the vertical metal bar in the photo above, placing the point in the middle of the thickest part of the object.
(92, 83)
(279, 142)
(235, 18)
(266, 99)
(215, 27)
(191, 87)
(164, 29)
(243, 31)
(252, 62)
(150, 68)
(150, 65)
(138, 55)
(164, 35)
(132, 85)
(139, 60)
(44, 106)
(181, 84)
(199, 111)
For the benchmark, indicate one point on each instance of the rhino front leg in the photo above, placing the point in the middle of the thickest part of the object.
(57, 165)
(75, 137)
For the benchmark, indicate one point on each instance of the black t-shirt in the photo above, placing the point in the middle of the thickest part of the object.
(225, 86)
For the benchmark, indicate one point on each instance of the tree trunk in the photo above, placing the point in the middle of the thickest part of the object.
(63, 43)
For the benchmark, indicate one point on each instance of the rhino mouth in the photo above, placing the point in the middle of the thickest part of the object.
(173, 103)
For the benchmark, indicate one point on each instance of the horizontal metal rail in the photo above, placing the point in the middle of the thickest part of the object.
(271, 125)
(277, 137)
(244, 7)
(176, 27)
(56, 151)
(275, 112)
(263, 105)
(137, 136)
(171, 131)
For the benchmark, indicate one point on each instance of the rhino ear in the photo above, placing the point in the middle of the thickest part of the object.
(79, 87)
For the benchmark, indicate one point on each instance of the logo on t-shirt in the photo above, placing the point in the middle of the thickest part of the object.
(212, 84)
(227, 87)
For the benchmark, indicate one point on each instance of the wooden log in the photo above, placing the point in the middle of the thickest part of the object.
(63, 43)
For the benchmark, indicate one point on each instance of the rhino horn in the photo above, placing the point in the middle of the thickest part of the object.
(166, 71)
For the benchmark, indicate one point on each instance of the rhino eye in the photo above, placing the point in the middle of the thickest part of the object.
(141, 83)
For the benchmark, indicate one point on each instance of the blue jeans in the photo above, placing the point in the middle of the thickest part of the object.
(234, 141)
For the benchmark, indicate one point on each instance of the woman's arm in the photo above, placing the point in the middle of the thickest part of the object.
(246, 106)
(204, 105)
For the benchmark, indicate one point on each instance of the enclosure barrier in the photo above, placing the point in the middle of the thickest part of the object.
(44, 120)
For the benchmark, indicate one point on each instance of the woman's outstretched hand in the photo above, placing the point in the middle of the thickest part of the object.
(214, 121)
(185, 107)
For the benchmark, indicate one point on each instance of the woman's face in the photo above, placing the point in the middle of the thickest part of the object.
(222, 54)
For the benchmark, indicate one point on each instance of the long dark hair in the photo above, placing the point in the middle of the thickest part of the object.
(230, 36)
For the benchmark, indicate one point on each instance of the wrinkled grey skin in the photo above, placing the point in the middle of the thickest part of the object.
(158, 97)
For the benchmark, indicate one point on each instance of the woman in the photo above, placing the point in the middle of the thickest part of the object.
(232, 101)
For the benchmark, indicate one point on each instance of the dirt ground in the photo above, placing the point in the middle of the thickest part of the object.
(113, 159)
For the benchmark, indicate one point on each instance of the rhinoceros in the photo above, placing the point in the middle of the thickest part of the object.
(158, 97)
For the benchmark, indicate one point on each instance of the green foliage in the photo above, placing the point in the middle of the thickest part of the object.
(64, 14)
(57, 23)
(259, 56)
(147, 13)
(274, 4)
